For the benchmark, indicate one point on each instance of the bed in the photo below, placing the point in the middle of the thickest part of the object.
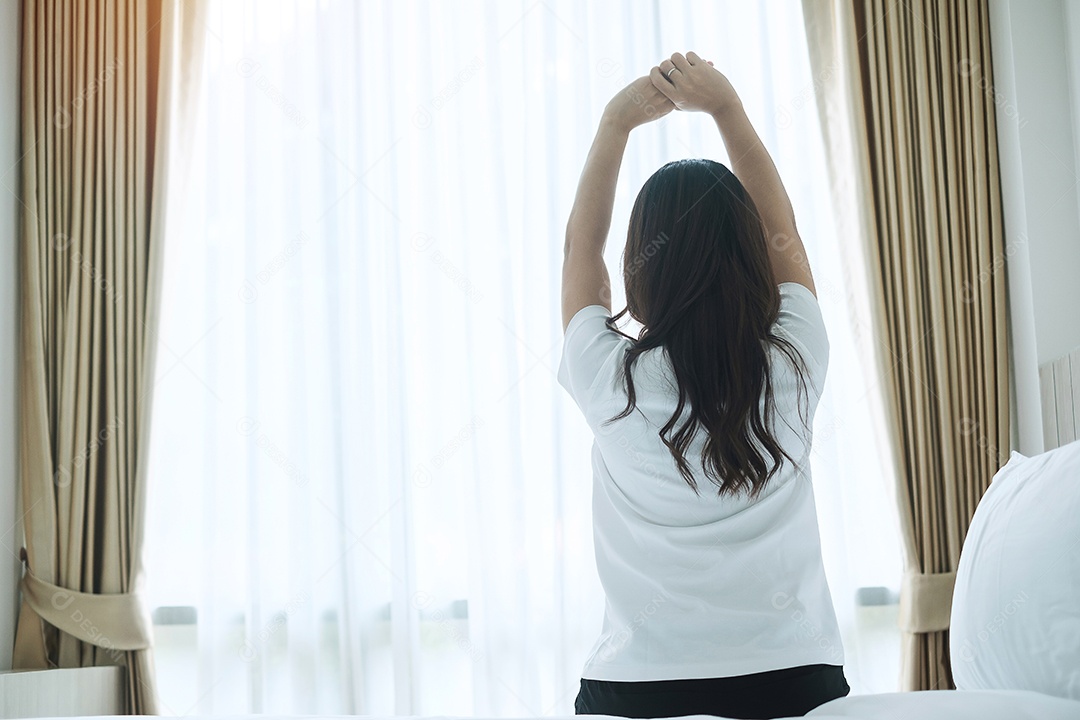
(930, 705)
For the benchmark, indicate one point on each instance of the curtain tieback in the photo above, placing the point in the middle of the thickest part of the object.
(106, 620)
(926, 601)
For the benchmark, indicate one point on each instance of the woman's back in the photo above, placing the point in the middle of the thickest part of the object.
(701, 585)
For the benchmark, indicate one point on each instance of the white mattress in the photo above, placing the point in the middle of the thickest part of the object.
(930, 705)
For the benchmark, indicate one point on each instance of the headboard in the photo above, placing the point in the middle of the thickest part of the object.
(1059, 384)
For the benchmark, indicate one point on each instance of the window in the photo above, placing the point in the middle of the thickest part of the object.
(369, 494)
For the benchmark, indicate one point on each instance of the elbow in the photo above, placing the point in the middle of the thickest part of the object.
(568, 240)
(584, 239)
(568, 236)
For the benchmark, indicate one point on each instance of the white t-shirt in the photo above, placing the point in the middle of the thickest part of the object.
(700, 586)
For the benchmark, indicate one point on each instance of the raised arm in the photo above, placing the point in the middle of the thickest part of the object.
(693, 84)
(585, 277)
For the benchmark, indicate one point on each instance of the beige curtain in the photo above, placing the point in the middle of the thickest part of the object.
(98, 81)
(905, 92)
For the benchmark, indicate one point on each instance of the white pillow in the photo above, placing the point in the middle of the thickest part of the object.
(1016, 608)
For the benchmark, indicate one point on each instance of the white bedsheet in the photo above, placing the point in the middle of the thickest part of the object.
(951, 705)
(929, 705)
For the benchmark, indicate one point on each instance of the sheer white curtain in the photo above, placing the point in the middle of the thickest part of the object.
(369, 494)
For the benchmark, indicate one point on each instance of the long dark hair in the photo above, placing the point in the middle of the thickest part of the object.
(698, 279)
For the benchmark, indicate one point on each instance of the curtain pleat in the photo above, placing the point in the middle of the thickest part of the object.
(915, 125)
(96, 98)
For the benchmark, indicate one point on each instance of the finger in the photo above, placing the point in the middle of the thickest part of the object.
(693, 58)
(662, 84)
(710, 63)
(661, 105)
(660, 99)
(666, 66)
(680, 62)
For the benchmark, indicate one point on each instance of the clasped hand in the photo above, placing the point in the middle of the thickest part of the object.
(679, 83)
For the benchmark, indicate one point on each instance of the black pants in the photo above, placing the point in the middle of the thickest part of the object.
(772, 694)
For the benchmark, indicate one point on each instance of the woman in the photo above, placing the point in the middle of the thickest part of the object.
(705, 531)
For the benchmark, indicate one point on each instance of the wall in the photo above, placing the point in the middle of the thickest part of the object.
(1036, 54)
(10, 535)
